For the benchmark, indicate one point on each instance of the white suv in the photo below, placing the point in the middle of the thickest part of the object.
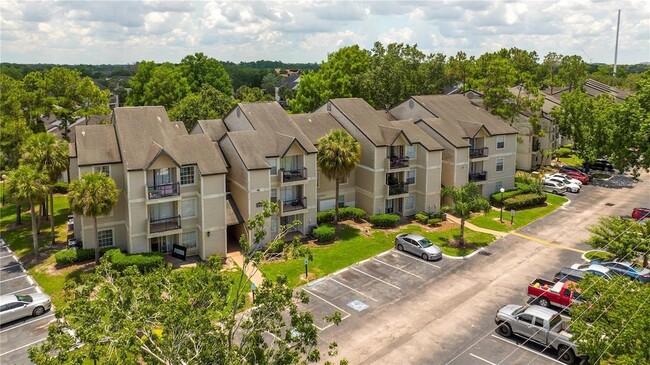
(554, 187)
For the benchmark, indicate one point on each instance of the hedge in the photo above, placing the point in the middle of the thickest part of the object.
(495, 199)
(422, 217)
(327, 216)
(143, 261)
(324, 233)
(562, 152)
(525, 201)
(384, 220)
(434, 221)
(69, 256)
(61, 187)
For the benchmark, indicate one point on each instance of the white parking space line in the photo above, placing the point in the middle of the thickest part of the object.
(482, 359)
(333, 305)
(5, 256)
(527, 349)
(23, 346)
(416, 259)
(378, 279)
(12, 265)
(50, 316)
(353, 289)
(18, 291)
(17, 277)
(400, 269)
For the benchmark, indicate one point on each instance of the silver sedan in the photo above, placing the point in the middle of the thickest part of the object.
(16, 306)
(418, 245)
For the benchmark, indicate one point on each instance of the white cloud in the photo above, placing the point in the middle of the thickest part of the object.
(403, 35)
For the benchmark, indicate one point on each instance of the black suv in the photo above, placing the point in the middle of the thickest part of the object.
(602, 165)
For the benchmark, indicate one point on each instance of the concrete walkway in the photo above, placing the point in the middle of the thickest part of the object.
(476, 228)
(253, 273)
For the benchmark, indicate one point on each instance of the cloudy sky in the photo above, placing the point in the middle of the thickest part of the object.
(91, 32)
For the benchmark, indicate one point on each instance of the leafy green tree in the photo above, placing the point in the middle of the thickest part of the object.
(460, 69)
(166, 86)
(49, 155)
(10, 98)
(201, 70)
(269, 82)
(252, 95)
(550, 69)
(612, 326)
(36, 100)
(465, 200)
(94, 195)
(91, 100)
(572, 71)
(14, 134)
(209, 103)
(28, 184)
(312, 92)
(494, 76)
(433, 74)
(624, 238)
(138, 83)
(338, 155)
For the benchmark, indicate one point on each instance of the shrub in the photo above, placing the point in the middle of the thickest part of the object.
(562, 152)
(356, 214)
(69, 256)
(326, 216)
(324, 233)
(523, 187)
(384, 220)
(143, 261)
(61, 187)
(434, 221)
(524, 201)
(495, 199)
(422, 217)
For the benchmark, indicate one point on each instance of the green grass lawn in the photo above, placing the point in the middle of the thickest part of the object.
(522, 217)
(53, 284)
(473, 239)
(571, 160)
(595, 254)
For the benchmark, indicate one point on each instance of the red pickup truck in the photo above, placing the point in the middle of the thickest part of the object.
(560, 294)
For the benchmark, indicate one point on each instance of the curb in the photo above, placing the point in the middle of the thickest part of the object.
(586, 259)
(464, 257)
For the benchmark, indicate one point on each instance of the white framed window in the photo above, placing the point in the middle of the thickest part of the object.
(499, 164)
(187, 175)
(497, 186)
(343, 180)
(188, 209)
(341, 201)
(274, 225)
(189, 239)
(104, 169)
(501, 142)
(409, 204)
(105, 238)
(410, 177)
(411, 152)
(274, 195)
(273, 162)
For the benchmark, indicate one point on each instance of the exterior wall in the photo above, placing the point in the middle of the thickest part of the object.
(410, 109)
(326, 191)
(236, 120)
(137, 212)
(455, 161)
(509, 155)
(525, 155)
(212, 216)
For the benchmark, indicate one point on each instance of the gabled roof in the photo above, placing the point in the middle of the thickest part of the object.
(451, 132)
(214, 128)
(138, 128)
(315, 125)
(416, 136)
(251, 148)
(459, 108)
(96, 144)
(592, 88)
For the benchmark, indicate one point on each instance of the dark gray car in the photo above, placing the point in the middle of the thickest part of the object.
(418, 245)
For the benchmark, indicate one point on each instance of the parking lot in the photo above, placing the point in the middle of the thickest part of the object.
(495, 349)
(16, 337)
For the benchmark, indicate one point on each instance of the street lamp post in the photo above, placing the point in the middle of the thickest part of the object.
(501, 215)
(4, 177)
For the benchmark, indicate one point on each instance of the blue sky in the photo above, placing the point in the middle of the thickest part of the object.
(127, 31)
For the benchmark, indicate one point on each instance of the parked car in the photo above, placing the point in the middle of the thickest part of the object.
(602, 165)
(640, 213)
(626, 268)
(554, 187)
(16, 306)
(567, 178)
(566, 168)
(538, 324)
(584, 179)
(571, 187)
(595, 269)
(418, 245)
(546, 293)
(568, 274)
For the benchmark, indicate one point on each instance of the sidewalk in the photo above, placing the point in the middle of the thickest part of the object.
(253, 273)
(498, 234)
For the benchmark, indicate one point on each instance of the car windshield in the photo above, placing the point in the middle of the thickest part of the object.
(425, 243)
(24, 298)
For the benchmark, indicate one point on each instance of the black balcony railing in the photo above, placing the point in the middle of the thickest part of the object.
(162, 191)
(398, 162)
(478, 176)
(164, 224)
(291, 205)
(399, 188)
(294, 175)
(478, 152)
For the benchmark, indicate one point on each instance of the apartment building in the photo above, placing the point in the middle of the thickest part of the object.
(400, 166)
(492, 143)
(172, 185)
(269, 158)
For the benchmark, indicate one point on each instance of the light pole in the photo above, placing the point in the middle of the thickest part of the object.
(4, 177)
(501, 215)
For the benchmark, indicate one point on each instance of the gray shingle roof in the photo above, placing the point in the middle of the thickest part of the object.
(137, 128)
(315, 125)
(452, 132)
(415, 135)
(459, 108)
(96, 144)
(214, 128)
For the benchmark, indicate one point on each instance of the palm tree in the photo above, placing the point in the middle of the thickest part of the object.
(94, 195)
(466, 199)
(29, 184)
(338, 154)
(49, 155)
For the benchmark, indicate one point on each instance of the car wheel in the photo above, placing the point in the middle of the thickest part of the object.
(504, 330)
(566, 355)
(400, 248)
(425, 257)
(38, 311)
(543, 302)
(555, 192)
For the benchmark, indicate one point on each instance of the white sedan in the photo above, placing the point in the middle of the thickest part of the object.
(16, 306)
(571, 187)
(568, 178)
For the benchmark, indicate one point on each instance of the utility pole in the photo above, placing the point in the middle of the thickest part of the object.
(618, 27)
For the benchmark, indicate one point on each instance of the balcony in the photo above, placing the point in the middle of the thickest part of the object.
(293, 176)
(394, 190)
(478, 176)
(293, 205)
(162, 191)
(478, 152)
(164, 224)
(397, 162)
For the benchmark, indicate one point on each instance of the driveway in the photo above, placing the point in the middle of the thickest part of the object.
(448, 318)
(16, 337)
